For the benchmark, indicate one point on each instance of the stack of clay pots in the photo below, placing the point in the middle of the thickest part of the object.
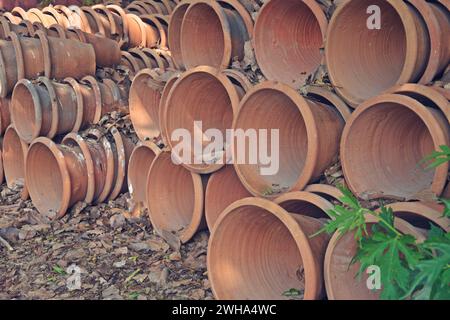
(375, 98)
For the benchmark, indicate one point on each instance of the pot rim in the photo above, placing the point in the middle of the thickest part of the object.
(54, 105)
(93, 83)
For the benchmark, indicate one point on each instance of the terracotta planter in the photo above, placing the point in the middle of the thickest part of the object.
(107, 21)
(288, 41)
(60, 18)
(375, 166)
(137, 31)
(152, 58)
(306, 148)
(156, 32)
(325, 191)
(213, 33)
(438, 27)
(5, 117)
(258, 251)
(395, 54)
(45, 109)
(61, 175)
(144, 104)
(174, 33)
(190, 101)
(340, 278)
(14, 152)
(121, 23)
(6, 27)
(165, 93)
(327, 97)
(8, 74)
(171, 188)
(30, 57)
(223, 189)
(305, 203)
(134, 65)
(94, 21)
(60, 60)
(140, 161)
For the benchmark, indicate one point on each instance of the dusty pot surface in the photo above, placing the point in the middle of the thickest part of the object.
(174, 33)
(14, 154)
(308, 131)
(224, 188)
(395, 54)
(140, 162)
(201, 94)
(8, 64)
(288, 41)
(175, 198)
(373, 164)
(214, 33)
(257, 250)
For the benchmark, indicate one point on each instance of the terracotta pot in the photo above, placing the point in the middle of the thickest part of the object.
(44, 109)
(134, 65)
(56, 176)
(201, 94)
(341, 279)
(78, 19)
(12, 18)
(107, 51)
(14, 154)
(262, 260)
(223, 189)
(20, 12)
(5, 118)
(375, 166)
(165, 93)
(57, 31)
(94, 21)
(144, 104)
(89, 91)
(147, 7)
(107, 21)
(289, 37)
(157, 58)
(438, 27)
(8, 72)
(60, 18)
(171, 188)
(6, 27)
(156, 32)
(329, 98)
(121, 22)
(305, 151)
(137, 31)
(166, 58)
(60, 61)
(325, 191)
(395, 54)
(174, 33)
(213, 33)
(305, 203)
(140, 161)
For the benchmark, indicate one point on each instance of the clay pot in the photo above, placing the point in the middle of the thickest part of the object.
(214, 33)
(60, 60)
(106, 18)
(289, 37)
(438, 27)
(395, 54)
(140, 161)
(175, 198)
(305, 151)
(223, 189)
(121, 23)
(56, 176)
(107, 51)
(5, 118)
(44, 109)
(165, 93)
(6, 27)
(94, 21)
(133, 64)
(89, 95)
(200, 94)
(341, 279)
(14, 155)
(137, 31)
(156, 32)
(374, 164)
(327, 97)
(61, 175)
(174, 33)
(144, 104)
(8, 72)
(305, 203)
(60, 18)
(258, 251)
(325, 191)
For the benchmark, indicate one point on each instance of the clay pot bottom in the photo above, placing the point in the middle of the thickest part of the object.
(140, 162)
(144, 99)
(304, 149)
(259, 251)
(201, 94)
(14, 154)
(378, 59)
(174, 198)
(340, 277)
(174, 33)
(288, 39)
(223, 189)
(383, 144)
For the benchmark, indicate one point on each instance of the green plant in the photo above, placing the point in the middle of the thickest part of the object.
(437, 158)
(408, 269)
